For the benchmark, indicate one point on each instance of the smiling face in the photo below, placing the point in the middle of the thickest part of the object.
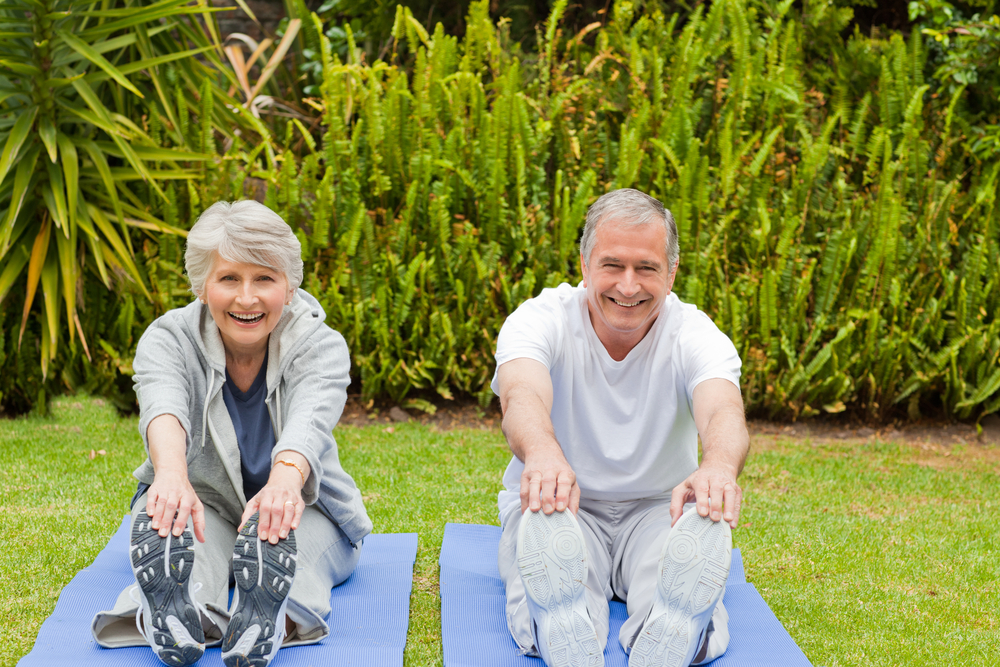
(627, 279)
(246, 301)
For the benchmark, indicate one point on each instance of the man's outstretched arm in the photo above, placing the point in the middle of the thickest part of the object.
(719, 416)
(548, 482)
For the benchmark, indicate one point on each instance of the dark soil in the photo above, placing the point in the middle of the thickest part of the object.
(468, 414)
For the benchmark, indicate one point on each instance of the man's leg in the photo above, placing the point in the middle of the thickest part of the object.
(597, 587)
(638, 570)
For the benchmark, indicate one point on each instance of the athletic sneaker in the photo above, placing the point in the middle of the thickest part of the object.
(168, 617)
(552, 559)
(264, 573)
(694, 565)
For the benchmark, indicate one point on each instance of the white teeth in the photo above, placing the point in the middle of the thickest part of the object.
(627, 304)
(247, 318)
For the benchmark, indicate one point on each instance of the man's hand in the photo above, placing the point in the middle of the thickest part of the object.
(718, 414)
(548, 483)
(714, 489)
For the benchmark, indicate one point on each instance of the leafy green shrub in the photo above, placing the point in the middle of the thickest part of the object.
(832, 221)
(88, 96)
(834, 218)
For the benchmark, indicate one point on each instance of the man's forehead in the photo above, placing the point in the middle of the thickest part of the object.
(616, 232)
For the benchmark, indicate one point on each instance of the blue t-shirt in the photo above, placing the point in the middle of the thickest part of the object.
(254, 433)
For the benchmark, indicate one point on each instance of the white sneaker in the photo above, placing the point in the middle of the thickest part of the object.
(552, 558)
(693, 569)
(168, 617)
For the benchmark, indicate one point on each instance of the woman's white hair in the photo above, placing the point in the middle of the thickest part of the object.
(246, 232)
(630, 207)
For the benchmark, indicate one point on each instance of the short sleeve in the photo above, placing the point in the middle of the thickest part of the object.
(708, 354)
(531, 332)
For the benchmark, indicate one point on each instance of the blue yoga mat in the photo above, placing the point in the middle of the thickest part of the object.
(368, 621)
(474, 628)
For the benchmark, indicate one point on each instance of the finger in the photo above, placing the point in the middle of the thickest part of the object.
(151, 505)
(183, 512)
(525, 491)
(286, 518)
(534, 492)
(198, 514)
(277, 519)
(264, 520)
(732, 508)
(167, 511)
(300, 508)
(677, 498)
(252, 506)
(574, 498)
(547, 492)
(701, 496)
(156, 516)
(716, 493)
(564, 486)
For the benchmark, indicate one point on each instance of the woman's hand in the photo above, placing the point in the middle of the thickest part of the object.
(280, 501)
(171, 493)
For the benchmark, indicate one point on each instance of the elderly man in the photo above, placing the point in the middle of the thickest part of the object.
(605, 388)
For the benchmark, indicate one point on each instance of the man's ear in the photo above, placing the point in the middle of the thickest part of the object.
(672, 277)
(583, 269)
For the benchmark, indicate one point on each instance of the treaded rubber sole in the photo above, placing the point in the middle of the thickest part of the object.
(694, 565)
(264, 574)
(553, 566)
(162, 567)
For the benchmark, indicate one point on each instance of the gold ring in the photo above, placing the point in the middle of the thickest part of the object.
(289, 502)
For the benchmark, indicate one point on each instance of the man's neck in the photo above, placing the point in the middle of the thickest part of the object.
(618, 343)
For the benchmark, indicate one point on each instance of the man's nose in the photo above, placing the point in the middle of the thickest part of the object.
(629, 283)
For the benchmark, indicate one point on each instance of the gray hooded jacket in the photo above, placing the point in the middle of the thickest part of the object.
(180, 367)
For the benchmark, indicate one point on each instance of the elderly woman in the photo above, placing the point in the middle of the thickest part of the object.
(238, 394)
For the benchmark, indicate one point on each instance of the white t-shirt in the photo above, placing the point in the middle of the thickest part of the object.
(626, 427)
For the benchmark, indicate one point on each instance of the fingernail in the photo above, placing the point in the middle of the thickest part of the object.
(560, 507)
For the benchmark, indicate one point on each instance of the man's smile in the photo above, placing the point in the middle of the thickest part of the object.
(626, 304)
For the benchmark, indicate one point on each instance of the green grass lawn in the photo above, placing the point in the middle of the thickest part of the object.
(870, 553)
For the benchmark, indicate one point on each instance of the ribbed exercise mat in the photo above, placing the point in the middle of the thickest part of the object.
(474, 629)
(368, 621)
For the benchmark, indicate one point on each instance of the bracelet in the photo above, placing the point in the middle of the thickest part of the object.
(293, 465)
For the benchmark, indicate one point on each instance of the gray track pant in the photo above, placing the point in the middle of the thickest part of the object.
(326, 558)
(623, 540)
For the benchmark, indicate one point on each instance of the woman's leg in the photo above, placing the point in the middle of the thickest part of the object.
(117, 627)
(325, 559)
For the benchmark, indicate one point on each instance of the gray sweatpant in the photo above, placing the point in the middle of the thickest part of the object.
(325, 558)
(624, 541)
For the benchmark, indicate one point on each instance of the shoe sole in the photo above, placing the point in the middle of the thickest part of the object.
(694, 566)
(162, 568)
(553, 567)
(264, 573)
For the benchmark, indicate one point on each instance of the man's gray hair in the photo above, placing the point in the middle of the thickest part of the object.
(629, 207)
(246, 232)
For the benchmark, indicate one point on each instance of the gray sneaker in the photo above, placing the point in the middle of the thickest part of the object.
(693, 569)
(552, 558)
(264, 573)
(168, 617)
